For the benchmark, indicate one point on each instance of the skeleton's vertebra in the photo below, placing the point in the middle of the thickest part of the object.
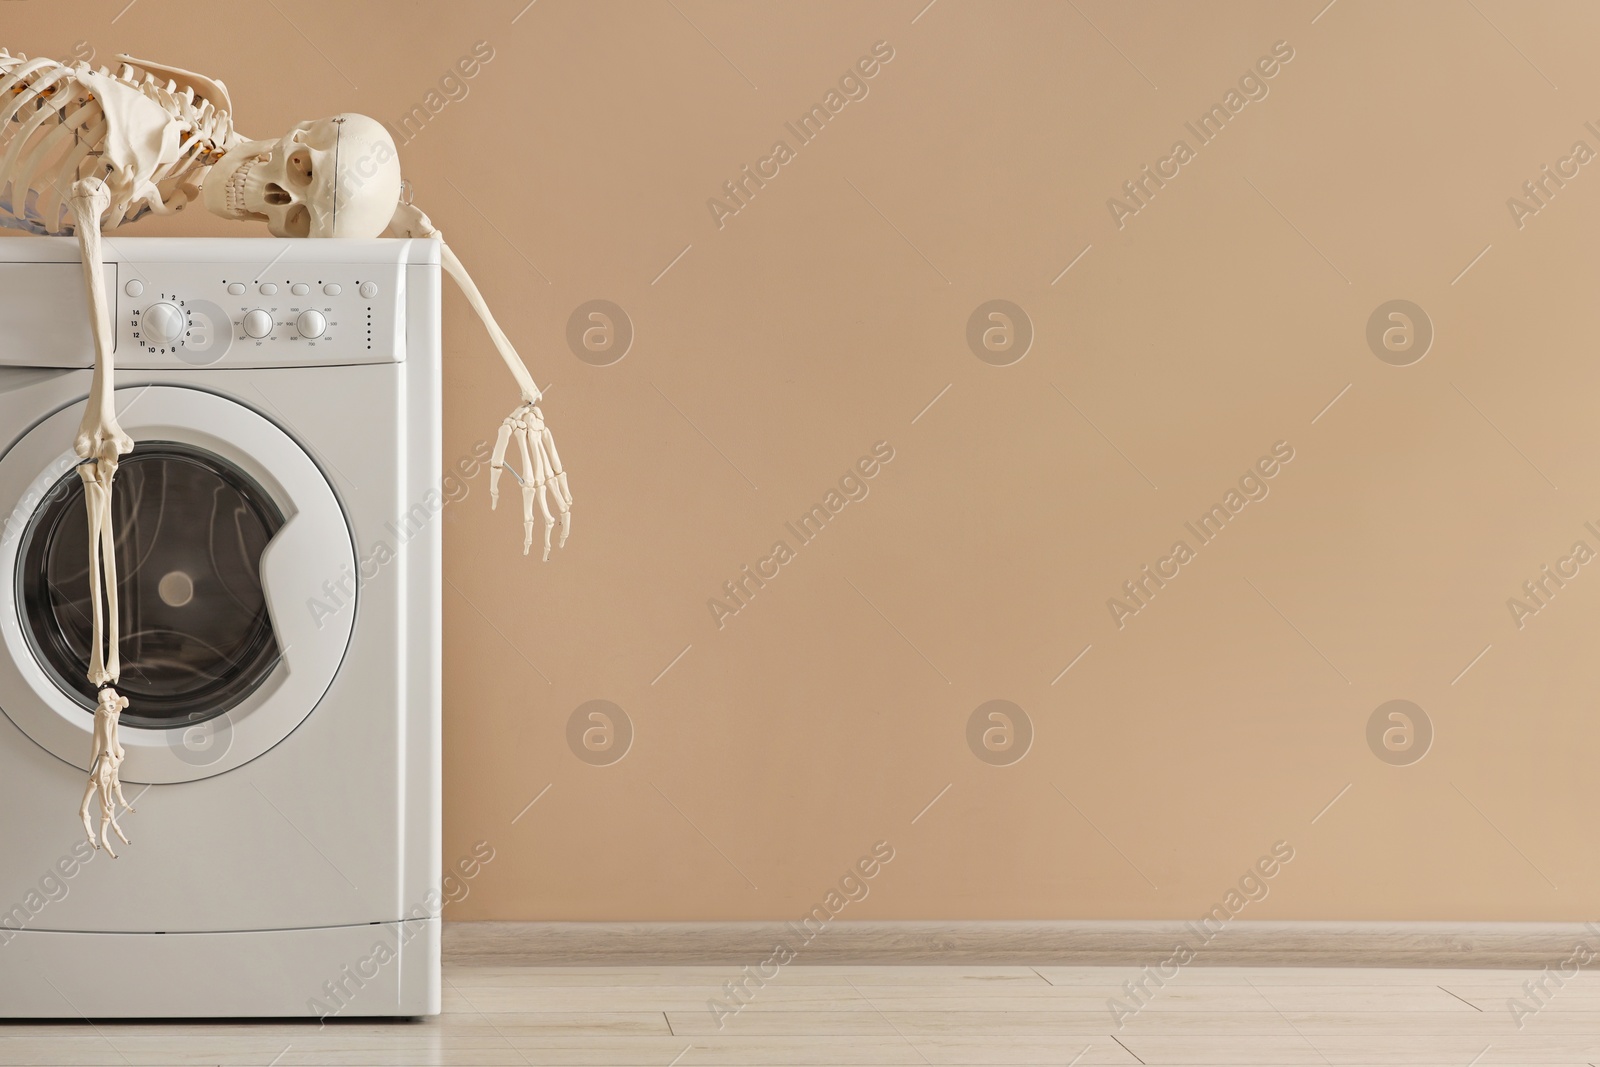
(85, 150)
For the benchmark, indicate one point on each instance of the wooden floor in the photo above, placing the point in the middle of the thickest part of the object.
(658, 1016)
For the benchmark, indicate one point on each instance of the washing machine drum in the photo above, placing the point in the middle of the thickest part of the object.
(195, 634)
(225, 531)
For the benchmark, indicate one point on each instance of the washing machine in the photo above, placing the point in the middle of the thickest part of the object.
(278, 565)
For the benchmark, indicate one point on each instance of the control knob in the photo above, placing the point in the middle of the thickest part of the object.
(162, 324)
(311, 323)
(257, 323)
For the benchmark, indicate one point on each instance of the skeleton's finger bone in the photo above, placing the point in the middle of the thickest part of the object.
(529, 487)
(527, 519)
(558, 480)
(542, 491)
(552, 487)
(83, 811)
(497, 461)
(116, 786)
(548, 440)
(529, 470)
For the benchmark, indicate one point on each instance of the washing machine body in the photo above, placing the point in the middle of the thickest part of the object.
(279, 566)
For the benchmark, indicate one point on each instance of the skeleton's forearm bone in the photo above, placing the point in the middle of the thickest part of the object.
(409, 221)
(502, 343)
(94, 501)
(108, 564)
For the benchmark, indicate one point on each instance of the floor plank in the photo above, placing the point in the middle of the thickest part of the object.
(499, 1014)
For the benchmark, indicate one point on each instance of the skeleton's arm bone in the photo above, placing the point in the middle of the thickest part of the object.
(99, 435)
(100, 442)
(530, 391)
(408, 221)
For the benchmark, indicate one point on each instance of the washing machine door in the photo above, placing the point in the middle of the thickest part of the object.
(235, 575)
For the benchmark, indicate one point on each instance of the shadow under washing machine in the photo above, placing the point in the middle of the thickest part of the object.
(279, 632)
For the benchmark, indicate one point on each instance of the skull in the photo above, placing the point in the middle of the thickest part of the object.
(335, 177)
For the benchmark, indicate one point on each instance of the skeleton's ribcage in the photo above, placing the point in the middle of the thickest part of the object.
(53, 132)
(50, 129)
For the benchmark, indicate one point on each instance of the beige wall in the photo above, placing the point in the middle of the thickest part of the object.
(1220, 319)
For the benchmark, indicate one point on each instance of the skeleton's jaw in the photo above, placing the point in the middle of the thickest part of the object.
(227, 188)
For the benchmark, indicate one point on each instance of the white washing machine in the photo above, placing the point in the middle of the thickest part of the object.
(278, 560)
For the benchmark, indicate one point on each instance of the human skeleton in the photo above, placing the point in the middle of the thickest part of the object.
(84, 151)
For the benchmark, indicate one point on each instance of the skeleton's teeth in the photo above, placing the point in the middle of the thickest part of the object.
(236, 187)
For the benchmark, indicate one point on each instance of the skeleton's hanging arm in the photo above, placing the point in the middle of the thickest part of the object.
(408, 221)
(543, 478)
(101, 442)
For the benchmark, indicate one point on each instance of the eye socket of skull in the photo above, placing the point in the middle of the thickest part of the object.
(300, 168)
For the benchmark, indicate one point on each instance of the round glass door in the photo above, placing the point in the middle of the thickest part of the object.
(228, 534)
(196, 637)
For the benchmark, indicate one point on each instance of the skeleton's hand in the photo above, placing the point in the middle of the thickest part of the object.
(542, 477)
(105, 781)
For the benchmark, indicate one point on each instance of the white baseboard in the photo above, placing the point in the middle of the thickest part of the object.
(1132, 943)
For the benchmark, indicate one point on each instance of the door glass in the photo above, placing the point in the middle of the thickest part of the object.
(196, 638)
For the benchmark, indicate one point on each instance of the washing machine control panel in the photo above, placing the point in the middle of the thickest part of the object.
(197, 315)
